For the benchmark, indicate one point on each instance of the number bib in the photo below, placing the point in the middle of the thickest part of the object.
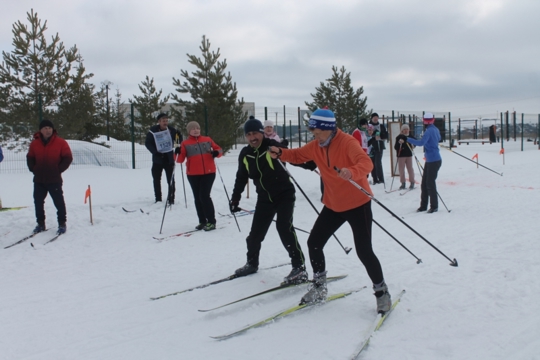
(164, 142)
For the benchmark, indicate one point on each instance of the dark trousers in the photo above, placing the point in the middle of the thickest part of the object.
(201, 185)
(40, 193)
(157, 170)
(377, 172)
(262, 219)
(429, 187)
(360, 220)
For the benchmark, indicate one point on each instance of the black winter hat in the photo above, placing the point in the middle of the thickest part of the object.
(253, 125)
(363, 122)
(162, 115)
(374, 114)
(44, 123)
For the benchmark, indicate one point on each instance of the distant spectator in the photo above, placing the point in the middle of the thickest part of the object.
(404, 156)
(430, 142)
(1, 154)
(380, 135)
(269, 131)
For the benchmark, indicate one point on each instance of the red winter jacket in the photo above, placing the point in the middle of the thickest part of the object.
(48, 161)
(198, 151)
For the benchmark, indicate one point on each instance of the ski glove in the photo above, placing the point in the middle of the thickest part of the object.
(215, 153)
(233, 206)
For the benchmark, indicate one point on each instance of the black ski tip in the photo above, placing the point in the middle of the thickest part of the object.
(454, 263)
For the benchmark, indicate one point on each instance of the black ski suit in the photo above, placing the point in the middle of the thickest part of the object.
(275, 195)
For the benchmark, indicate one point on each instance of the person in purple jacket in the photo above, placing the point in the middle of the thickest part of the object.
(430, 142)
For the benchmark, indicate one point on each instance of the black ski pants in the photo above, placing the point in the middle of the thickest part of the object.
(377, 173)
(429, 186)
(262, 219)
(360, 220)
(40, 193)
(201, 185)
(157, 170)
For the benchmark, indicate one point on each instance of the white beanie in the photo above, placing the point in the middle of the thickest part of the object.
(268, 123)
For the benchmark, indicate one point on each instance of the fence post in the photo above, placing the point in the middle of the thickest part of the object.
(502, 132)
(522, 119)
(266, 113)
(450, 129)
(515, 125)
(299, 132)
(507, 120)
(284, 123)
(132, 136)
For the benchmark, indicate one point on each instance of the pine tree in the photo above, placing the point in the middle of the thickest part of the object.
(119, 128)
(74, 118)
(37, 71)
(340, 97)
(147, 107)
(214, 97)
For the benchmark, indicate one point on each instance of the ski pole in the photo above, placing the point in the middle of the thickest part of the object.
(420, 169)
(452, 262)
(228, 200)
(274, 220)
(383, 229)
(183, 183)
(346, 249)
(168, 193)
(395, 168)
(485, 167)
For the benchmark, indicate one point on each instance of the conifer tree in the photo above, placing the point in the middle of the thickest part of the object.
(339, 96)
(74, 118)
(147, 106)
(119, 128)
(38, 72)
(213, 96)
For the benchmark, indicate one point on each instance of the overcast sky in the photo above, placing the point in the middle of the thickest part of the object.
(470, 57)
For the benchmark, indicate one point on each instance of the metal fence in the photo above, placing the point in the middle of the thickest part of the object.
(289, 123)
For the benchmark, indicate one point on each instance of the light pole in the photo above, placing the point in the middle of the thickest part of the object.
(107, 83)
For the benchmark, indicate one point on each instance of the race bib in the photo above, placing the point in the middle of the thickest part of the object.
(164, 142)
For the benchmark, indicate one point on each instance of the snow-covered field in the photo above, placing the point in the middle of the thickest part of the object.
(87, 295)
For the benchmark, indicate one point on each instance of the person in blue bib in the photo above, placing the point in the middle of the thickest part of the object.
(430, 142)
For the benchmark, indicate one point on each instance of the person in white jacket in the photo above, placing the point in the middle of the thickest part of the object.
(269, 131)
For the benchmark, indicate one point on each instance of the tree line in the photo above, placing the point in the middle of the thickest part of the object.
(42, 78)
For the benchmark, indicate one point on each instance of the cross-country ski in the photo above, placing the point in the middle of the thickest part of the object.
(284, 313)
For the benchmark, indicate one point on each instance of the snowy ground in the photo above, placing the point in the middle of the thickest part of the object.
(86, 296)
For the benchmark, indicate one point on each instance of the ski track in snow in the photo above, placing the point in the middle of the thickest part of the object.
(86, 295)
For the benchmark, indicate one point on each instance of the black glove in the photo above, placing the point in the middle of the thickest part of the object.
(285, 142)
(215, 153)
(178, 150)
(233, 206)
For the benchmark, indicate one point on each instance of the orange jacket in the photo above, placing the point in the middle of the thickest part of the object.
(344, 151)
(198, 151)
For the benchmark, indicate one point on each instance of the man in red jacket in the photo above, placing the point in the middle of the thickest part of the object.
(49, 156)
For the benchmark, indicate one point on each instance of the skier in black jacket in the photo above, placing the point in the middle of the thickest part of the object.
(275, 195)
(163, 148)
